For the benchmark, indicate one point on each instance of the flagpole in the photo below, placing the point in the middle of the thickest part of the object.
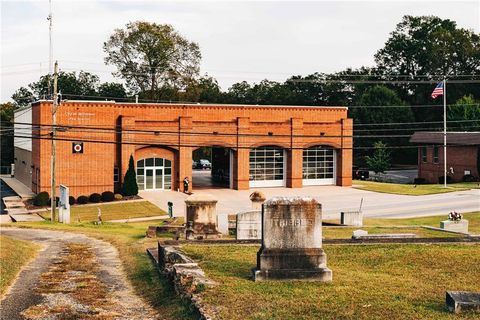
(444, 132)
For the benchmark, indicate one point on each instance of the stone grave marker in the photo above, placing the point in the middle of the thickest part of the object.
(460, 301)
(455, 226)
(257, 198)
(222, 223)
(202, 214)
(292, 241)
(249, 225)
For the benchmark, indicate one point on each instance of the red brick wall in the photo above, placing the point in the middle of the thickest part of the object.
(460, 158)
(180, 129)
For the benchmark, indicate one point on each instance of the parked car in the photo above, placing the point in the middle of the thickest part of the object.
(194, 164)
(204, 164)
(359, 173)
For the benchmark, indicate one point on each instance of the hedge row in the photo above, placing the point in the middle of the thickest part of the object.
(43, 198)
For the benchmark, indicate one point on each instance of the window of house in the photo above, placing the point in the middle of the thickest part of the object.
(435, 154)
(424, 154)
(116, 174)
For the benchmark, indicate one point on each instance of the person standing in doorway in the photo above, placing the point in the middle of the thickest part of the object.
(186, 182)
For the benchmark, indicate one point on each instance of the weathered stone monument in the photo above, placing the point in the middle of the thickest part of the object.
(201, 213)
(351, 218)
(292, 241)
(462, 301)
(64, 205)
(249, 225)
(257, 198)
(455, 226)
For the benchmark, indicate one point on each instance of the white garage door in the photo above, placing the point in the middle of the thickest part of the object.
(319, 166)
(267, 167)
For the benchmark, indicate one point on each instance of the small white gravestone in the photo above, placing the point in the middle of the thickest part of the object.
(455, 226)
(359, 233)
(249, 225)
(64, 205)
(222, 223)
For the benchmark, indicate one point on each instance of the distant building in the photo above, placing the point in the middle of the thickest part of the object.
(463, 155)
(262, 146)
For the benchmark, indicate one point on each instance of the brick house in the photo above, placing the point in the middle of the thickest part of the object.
(463, 155)
(265, 146)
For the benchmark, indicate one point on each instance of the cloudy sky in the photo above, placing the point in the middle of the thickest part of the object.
(239, 40)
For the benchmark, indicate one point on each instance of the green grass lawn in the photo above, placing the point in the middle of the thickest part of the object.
(113, 211)
(412, 190)
(129, 239)
(369, 282)
(405, 225)
(13, 255)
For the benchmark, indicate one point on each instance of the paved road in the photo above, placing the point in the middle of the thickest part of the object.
(23, 294)
(334, 200)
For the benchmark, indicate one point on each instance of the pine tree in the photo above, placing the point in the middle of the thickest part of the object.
(130, 187)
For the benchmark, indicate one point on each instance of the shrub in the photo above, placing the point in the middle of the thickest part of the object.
(449, 179)
(130, 187)
(42, 199)
(95, 198)
(82, 200)
(468, 178)
(118, 196)
(419, 181)
(57, 200)
(107, 196)
(71, 200)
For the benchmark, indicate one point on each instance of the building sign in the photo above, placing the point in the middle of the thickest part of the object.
(77, 147)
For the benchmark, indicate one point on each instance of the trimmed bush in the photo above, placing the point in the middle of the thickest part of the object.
(82, 200)
(42, 199)
(419, 181)
(95, 198)
(71, 200)
(118, 196)
(468, 178)
(57, 200)
(108, 196)
(449, 179)
(130, 187)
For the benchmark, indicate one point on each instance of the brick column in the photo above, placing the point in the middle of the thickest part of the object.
(184, 157)
(344, 155)
(295, 155)
(127, 123)
(241, 165)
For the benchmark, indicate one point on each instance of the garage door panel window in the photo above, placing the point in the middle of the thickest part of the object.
(267, 167)
(319, 166)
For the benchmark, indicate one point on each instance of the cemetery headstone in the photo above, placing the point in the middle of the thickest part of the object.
(64, 205)
(249, 225)
(202, 213)
(222, 223)
(455, 226)
(257, 198)
(292, 241)
(461, 301)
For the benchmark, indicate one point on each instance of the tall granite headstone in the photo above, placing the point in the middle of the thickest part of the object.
(249, 225)
(202, 215)
(292, 241)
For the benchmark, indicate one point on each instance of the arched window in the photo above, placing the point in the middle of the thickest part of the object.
(154, 174)
(267, 167)
(319, 165)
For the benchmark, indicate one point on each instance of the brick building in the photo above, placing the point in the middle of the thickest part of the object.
(463, 155)
(265, 146)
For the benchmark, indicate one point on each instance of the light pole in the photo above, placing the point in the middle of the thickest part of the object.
(54, 145)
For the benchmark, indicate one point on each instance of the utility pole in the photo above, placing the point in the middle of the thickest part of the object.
(444, 132)
(54, 145)
(50, 50)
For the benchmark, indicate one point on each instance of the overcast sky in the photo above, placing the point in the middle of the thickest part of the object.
(238, 40)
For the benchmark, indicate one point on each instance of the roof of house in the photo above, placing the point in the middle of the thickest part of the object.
(453, 138)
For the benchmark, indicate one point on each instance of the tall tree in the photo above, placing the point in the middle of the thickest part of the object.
(6, 133)
(151, 57)
(426, 48)
(465, 108)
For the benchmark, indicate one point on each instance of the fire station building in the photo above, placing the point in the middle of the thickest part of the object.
(253, 146)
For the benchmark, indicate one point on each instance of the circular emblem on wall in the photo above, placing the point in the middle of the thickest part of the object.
(77, 147)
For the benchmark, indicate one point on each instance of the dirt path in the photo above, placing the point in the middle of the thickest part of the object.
(73, 277)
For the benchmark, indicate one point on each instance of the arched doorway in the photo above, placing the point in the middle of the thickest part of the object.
(267, 167)
(319, 166)
(154, 174)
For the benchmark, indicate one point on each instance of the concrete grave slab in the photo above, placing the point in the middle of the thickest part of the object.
(460, 301)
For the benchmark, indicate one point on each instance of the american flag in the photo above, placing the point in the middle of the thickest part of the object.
(438, 91)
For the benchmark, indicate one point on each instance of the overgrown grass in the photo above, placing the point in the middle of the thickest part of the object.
(13, 255)
(129, 239)
(114, 211)
(413, 190)
(369, 282)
